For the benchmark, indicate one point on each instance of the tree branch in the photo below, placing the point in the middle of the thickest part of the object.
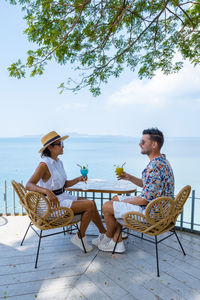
(141, 34)
(173, 13)
(184, 13)
(67, 34)
(117, 20)
(156, 30)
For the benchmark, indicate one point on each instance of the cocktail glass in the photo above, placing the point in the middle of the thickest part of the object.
(119, 170)
(84, 171)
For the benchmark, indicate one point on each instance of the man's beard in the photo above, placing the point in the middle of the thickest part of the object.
(147, 152)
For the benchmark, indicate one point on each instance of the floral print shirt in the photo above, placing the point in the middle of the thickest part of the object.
(158, 179)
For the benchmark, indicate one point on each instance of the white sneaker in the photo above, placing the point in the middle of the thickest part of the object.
(98, 240)
(108, 247)
(104, 240)
(76, 241)
(87, 246)
(124, 235)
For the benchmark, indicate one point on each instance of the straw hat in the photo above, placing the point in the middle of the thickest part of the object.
(50, 138)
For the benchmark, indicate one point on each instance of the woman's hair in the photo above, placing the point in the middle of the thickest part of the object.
(155, 135)
(46, 152)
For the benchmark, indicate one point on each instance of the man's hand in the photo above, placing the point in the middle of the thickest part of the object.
(124, 176)
(131, 178)
(53, 200)
(136, 201)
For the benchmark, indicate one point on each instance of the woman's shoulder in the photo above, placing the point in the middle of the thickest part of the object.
(42, 165)
(41, 169)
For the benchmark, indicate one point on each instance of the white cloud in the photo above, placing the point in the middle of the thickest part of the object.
(160, 90)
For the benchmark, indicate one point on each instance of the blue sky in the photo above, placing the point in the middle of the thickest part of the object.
(126, 106)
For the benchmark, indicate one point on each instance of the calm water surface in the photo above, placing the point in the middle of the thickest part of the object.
(19, 157)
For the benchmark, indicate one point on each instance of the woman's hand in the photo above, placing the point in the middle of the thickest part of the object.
(53, 200)
(81, 178)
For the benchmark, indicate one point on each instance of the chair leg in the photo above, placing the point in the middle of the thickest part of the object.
(40, 236)
(141, 235)
(64, 230)
(179, 242)
(25, 233)
(81, 239)
(116, 241)
(157, 262)
(71, 229)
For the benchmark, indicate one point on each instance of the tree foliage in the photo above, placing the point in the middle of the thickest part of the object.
(102, 37)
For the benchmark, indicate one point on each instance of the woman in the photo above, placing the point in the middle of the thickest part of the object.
(50, 179)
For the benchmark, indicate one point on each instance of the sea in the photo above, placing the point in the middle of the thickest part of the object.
(19, 158)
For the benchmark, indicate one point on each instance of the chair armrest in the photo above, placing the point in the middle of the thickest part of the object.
(45, 217)
(59, 215)
(159, 227)
(136, 221)
(38, 204)
(159, 209)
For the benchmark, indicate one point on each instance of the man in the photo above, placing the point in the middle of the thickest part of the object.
(157, 180)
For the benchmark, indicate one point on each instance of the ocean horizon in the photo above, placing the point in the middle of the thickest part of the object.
(19, 157)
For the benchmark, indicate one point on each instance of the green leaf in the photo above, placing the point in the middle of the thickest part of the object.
(102, 38)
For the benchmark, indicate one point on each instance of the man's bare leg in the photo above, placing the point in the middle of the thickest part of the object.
(117, 231)
(115, 198)
(110, 220)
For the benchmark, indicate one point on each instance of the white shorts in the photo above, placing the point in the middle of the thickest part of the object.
(66, 199)
(121, 208)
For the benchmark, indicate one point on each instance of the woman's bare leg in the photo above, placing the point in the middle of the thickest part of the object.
(96, 219)
(86, 208)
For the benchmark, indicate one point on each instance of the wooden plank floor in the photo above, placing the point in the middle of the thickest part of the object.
(65, 272)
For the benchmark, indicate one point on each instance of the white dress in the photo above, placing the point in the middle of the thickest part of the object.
(57, 180)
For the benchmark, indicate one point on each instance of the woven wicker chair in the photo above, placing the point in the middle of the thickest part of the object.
(43, 217)
(20, 190)
(160, 217)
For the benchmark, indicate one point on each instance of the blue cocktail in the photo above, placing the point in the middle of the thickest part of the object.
(84, 172)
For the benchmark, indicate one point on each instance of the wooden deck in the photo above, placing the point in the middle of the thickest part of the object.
(64, 272)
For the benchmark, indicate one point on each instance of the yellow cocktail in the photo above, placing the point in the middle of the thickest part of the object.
(119, 170)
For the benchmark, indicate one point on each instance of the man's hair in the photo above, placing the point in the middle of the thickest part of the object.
(155, 135)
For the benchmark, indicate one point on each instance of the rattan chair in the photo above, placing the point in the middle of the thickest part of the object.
(160, 217)
(21, 191)
(43, 217)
